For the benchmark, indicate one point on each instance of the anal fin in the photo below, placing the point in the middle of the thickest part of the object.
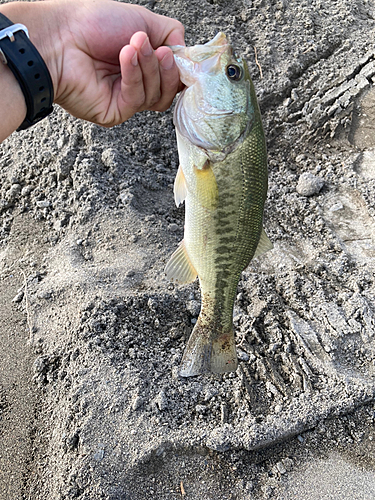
(179, 267)
(264, 244)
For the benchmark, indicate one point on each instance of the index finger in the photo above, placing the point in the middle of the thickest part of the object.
(164, 30)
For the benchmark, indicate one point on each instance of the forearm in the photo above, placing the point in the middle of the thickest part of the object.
(12, 101)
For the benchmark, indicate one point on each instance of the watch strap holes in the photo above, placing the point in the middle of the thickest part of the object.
(30, 63)
(21, 51)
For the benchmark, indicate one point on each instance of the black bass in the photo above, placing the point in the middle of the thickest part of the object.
(223, 180)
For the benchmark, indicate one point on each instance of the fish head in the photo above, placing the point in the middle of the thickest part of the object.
(215, 109)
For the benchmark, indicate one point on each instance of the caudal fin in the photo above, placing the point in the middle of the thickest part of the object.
(207, 352)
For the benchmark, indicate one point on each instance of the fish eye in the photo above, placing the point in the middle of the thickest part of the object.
(234, 72)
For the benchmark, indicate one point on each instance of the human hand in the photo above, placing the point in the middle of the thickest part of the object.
(107, 59)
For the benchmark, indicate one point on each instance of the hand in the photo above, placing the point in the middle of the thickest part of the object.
(107, 59)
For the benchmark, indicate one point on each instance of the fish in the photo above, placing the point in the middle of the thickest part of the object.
(222, 178)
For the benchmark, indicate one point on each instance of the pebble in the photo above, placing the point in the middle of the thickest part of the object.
(201, 409)
(280, 467)
(14, 191)
(194, 307)
(161, 401)
(221, 438)
(293, 95)
(18, 298)
(173, 227)
(126, 198)
(242, 355)
(99, 455)
(300, 158)
(44, 294)
(137, 402)
(309, 184)
(43, 203)
(26, 190)
(337, 206)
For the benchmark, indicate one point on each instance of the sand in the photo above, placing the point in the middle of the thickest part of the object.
(91, 332)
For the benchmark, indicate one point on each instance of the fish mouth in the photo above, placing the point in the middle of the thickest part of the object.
(191, 61)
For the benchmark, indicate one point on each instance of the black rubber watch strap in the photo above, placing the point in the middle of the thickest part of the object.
(30, 70)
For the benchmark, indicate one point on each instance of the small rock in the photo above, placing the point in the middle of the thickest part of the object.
(14, 191)
(223, 413)
(137, 402)
(300, 158)
(109, 157)
(18, 298)
(26, 190)
(309, 184)
(43, 203)
(99, 455)
(193, 306)
(201, 409)
(209, 392)
(288, 463)
(280, 467)
(60, 142)
(161, 401)
(173, 227)
(44, 294)
(242, 355)
(336, 207)
(293, 95)
(221, 438)
(126, 197)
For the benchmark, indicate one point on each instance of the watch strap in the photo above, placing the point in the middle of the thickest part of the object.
(31, 72)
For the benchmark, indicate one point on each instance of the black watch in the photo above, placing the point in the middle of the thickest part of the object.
(28, 67)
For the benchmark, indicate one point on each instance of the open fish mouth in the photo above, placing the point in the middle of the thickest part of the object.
(191, 61)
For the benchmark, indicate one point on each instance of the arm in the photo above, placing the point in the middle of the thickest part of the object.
(107, 59)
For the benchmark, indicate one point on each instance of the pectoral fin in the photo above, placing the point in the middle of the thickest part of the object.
(207, 192)
(179, 267)
(264, 244)
(180, 189)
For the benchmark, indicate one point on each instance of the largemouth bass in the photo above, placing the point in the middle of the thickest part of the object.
(222, 178)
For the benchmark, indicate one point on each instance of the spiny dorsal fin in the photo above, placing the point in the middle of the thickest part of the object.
(264, 245)
(180, 189)
(179, 267)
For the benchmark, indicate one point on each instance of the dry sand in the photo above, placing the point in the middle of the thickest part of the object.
(91, 332)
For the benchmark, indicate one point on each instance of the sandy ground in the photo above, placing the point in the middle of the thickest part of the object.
(91, 332)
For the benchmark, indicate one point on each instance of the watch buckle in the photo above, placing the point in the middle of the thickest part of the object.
(11, 30)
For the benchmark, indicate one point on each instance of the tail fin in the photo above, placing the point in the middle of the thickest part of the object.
(208, 351)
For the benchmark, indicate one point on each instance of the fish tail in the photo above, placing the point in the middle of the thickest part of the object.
(208, 351)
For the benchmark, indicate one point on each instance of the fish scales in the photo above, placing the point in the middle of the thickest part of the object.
(223, 180)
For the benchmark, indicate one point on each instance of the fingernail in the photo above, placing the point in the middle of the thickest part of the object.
(134, 60)
(146, 48)
(167, 61)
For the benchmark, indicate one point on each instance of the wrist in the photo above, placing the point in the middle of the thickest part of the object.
(40, 20)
